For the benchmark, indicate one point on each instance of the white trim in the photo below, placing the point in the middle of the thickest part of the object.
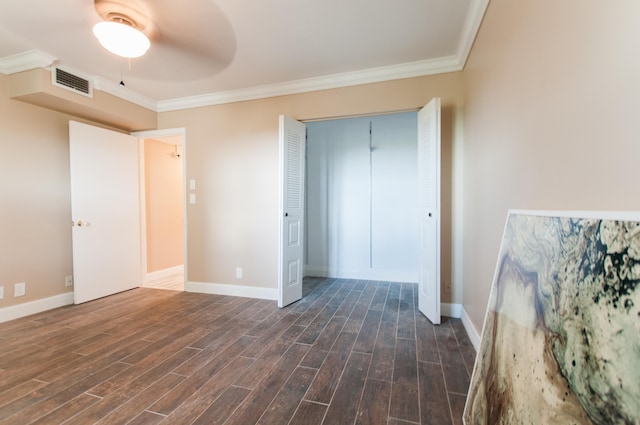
(36, 59)
(24, 61)
(604, 215)
(115, 89)
(451, 310)
(472, 23)
(367, 76)
(34, 307)
(474, 336)
(367, 274)
(232, 290)
(473, 20)
(156, 134)
(142, 189)
(457, 210)
(160, 274)
(168, 133)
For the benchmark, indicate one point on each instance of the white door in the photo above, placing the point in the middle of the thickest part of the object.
(429, 181)
(290, 264)
(105, 209)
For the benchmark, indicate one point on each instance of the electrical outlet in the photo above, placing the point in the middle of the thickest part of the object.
(1, 292)
(68, 281)
(238, 272)
(19, 289)
(447, 288)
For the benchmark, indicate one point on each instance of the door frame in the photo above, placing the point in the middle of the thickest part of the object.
(338, 117)
(180, 133)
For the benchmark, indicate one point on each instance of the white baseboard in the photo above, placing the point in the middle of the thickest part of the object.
(165, 272)
(232, 290)
(451, 310)
(368, 274)
(33, 307)
(474, 336)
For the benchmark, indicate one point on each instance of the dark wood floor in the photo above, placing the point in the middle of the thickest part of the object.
(351, 352)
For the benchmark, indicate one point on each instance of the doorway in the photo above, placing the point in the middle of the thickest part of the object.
(361, 198)
(292, 182)
(163, 212)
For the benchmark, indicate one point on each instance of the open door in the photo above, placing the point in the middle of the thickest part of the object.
(291, 250)
(105, 209)
(429, 182)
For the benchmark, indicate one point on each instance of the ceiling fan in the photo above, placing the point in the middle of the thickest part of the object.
(123, 26)
(169, 32)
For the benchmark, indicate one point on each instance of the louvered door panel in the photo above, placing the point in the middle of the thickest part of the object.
(292, 151)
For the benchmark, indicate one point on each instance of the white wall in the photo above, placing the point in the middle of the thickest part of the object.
(362, 207)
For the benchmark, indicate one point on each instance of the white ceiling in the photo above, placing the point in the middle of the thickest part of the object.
(209, 51)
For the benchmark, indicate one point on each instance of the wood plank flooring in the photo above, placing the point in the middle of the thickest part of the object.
(350, 352)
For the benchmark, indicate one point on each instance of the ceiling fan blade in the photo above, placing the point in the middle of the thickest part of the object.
(183, 37)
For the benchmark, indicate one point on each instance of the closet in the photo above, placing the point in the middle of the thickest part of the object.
(362, 198)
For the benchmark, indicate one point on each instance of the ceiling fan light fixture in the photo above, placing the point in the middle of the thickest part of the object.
(121, 39)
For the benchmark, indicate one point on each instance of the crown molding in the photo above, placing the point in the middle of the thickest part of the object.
(36, 59)
(33, 59)
(25, 61)
(470, 29)
(373, 75)
(115, 89)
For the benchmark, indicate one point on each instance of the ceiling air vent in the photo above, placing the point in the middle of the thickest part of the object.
(71, 81)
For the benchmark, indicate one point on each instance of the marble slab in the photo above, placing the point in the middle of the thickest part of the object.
(561, 338)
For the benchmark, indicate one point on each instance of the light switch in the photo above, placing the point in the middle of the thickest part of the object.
(192, 198)
(192, 184)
